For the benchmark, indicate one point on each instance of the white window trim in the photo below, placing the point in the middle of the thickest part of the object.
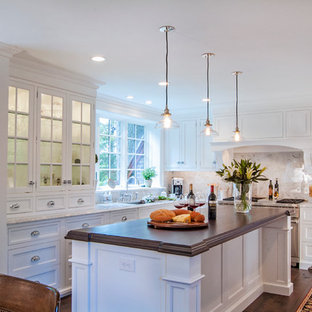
(123, 147)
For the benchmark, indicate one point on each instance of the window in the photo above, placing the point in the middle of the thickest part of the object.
(121, 149)
(109, 141)
(135, 153)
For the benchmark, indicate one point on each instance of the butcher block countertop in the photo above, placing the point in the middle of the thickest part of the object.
(136, 233)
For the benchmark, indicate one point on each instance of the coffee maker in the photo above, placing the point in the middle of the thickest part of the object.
(177, 186)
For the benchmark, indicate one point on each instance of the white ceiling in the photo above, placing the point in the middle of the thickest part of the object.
(269, 40)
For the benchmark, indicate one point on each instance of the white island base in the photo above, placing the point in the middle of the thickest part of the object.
(228, 277)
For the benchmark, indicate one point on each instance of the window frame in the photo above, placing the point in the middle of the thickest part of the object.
(123, 148)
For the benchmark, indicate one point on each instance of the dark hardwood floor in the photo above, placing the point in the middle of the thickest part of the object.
(266, 302)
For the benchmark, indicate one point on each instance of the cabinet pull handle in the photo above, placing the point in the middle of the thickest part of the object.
(31, 183)
(85, 225)
(14, 206)
(35, 259)
(69, 181)
(124, 218)
(64, 181)
(80, 201)
(51, 203)
(34, 233)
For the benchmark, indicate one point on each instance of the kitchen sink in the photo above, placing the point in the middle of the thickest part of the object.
(136, 202)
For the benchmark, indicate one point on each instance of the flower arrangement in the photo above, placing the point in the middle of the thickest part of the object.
(242, 174)
(149, 173)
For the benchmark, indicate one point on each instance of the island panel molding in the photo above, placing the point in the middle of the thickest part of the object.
(189, 243)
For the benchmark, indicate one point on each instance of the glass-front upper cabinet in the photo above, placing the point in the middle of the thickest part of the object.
(20, 105)
(82, 154)
(51, 140)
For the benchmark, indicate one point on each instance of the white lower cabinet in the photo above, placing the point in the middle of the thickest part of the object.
(305, 237)
(123, 215)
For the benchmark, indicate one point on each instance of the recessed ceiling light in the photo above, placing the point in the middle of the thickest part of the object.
(98, 58)
(163, 83)
(130, 97)
(148, 102)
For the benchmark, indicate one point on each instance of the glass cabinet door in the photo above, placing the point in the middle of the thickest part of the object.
(19, 139)
(50, 140)
(81, 146)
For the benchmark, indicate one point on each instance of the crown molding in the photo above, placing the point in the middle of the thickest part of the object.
(7, 50)
(122, 107)
(27, 67)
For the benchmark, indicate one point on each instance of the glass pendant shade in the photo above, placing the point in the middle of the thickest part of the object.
(237, 136)
(166, 121)
(208, 129)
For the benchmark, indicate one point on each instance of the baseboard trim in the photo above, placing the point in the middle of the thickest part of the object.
(278, 289)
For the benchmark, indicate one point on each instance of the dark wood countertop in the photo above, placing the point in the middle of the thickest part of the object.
(137, 234)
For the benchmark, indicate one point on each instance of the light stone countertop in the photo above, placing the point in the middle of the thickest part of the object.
(99, 208)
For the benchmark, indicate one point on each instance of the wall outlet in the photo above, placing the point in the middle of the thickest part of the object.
(127, 264)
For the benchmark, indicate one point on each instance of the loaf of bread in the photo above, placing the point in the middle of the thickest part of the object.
(181, 211)
(162, 215)
(197, 217)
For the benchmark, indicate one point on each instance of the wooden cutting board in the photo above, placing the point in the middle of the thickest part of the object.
(177, 225)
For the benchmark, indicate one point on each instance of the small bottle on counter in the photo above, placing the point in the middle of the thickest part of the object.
(191, 198)
(271, 190)
(276, 189)
(212, 204)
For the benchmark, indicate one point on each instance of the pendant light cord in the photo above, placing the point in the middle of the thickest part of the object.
(167, 70)
(236, 76)
(208, 98)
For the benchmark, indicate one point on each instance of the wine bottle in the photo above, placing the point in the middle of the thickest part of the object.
(276, 189)
(271, 190)
(191, 198)
(212, 204)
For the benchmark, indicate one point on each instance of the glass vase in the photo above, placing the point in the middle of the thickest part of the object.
(242, 193)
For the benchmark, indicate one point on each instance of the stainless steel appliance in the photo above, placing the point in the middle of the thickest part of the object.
(177, 186)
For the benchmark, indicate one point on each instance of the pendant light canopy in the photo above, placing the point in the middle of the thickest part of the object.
(237, 134)
(208, 130)
(166, 121)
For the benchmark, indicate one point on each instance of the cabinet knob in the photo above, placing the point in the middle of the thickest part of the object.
(51, 203)
(31, 183)
(14, 206)
(64, 181)
(124, 218)
(69, 181)
(35, 259)
(80, 201)
(34, 233)
(85, 225)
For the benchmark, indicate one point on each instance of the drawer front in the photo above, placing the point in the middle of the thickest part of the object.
(306, 215)
(49, 203)
(34, 232)
(19, 205)
(306, 251)
(81, 201)
(83, 223)
(122, 216)
(49, 277)
(145, 212)
(30, 259)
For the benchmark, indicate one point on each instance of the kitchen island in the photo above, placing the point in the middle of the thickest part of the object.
(132, 267)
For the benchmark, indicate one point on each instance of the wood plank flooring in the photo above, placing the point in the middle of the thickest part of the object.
(266, 302)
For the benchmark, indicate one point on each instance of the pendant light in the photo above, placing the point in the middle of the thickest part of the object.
(166, 121)
(208, 130)
(237, 134)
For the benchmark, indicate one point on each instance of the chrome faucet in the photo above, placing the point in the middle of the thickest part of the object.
(127, 196)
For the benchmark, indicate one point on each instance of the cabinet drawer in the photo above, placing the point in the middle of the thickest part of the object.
(83, 223)
(122, 216)
(306, 251)
(145, 212)
(19, 205)
(49, 203)
(81, 201)
(34, 232)
(29, 259)
(49, 277)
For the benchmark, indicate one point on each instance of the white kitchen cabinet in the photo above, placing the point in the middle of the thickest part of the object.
(123, 215)
(181, 146)
(20, 138)
(305, 237)
(298, 123)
